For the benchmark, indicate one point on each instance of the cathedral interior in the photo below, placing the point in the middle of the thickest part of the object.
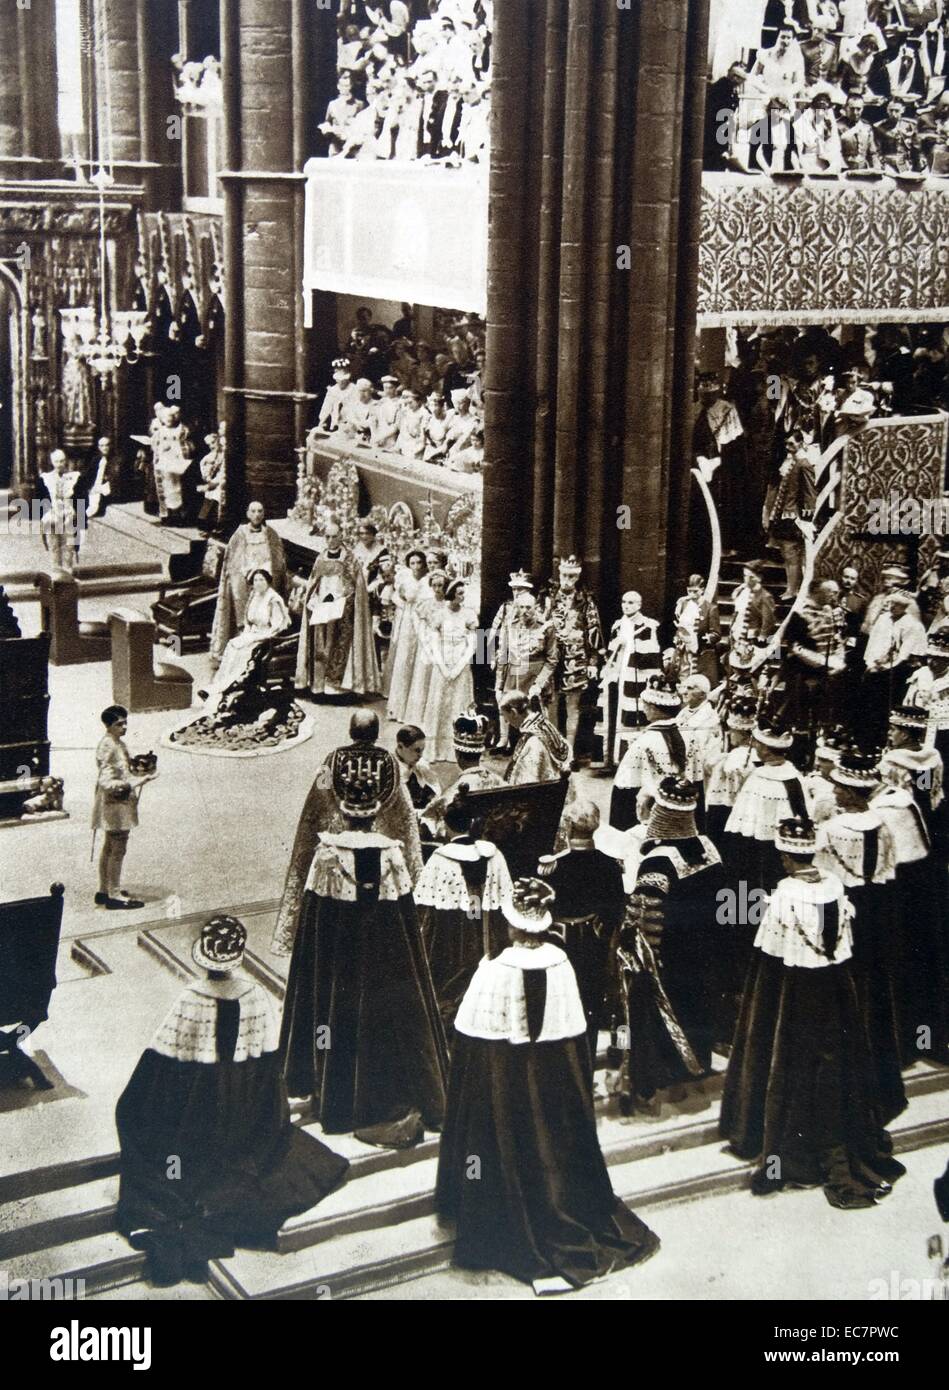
(231, 233)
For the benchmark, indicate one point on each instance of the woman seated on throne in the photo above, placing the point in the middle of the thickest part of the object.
(266, 617)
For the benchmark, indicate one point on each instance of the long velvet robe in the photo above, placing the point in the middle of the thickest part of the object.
(208, 1093)
(321, 813)
(361, 1031)
(540, 1204)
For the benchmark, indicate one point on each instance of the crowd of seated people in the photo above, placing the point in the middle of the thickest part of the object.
(830, 87)
(398, 393)
(413, 82)
(783, 393)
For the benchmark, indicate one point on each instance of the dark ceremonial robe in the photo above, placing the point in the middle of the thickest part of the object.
(858, 848)
(801, 1084)
(320, 813)
(361, 1031)
(208, 1089)
(922, 930)
(587, 912)
(670, 951)
(519, 1100)
(461, 882)
(771, 793)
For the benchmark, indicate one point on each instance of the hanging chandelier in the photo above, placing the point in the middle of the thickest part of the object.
(105, 338)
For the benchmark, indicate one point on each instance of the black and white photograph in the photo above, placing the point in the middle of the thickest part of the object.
(474, 660)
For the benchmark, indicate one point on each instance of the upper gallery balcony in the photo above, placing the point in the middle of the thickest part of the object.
(400, 231)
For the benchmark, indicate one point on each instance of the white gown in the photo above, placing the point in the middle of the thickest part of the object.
(450, 645)
(266, 616)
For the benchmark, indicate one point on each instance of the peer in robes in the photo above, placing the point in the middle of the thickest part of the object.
(590, 902)
(209, 1157)
(800, 1095)
(670, 951)
(462, 883)
(361, 1032)
(541, 754)
(336, 654)
(322, 812)
(660, 750)
(725, 772)
(470, 735)
(254, 546)
(858, 848)
(911, 796)
(538, 1203)
(772, 792)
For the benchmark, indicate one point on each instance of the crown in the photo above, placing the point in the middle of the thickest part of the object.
(909, 717)
(796, 836)
(741, 714)
(677, 794)
(528, 907)
(470, 731)
(364, 780)
(856, 769)
(659, 690)
(571, 565)
(772, 736)
(341, 364)
(520, 579)
(221, 944)
(938, 643)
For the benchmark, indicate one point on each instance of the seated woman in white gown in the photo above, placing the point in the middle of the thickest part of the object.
(266, 616)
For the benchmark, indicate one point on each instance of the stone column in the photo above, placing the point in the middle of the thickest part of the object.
(591, 301)
(263, 233)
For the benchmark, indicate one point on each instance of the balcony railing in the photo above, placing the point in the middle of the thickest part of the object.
(401, 231)
(800, 250)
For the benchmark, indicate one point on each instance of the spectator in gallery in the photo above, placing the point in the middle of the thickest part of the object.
(436, 428)
(404, 327)
(725, 120)
(858, 143)
(428, 113)
(368, 131)
(779, 72)
(411, 439)
(821, 57)
(475, 133)
(386, 415)
(937, 147)
(861, 66)
(898, 139)
(817, 138)
(458, 374)
(340, 113)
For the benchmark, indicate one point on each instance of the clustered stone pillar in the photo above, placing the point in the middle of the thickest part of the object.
(595, 189)
(266, 43)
